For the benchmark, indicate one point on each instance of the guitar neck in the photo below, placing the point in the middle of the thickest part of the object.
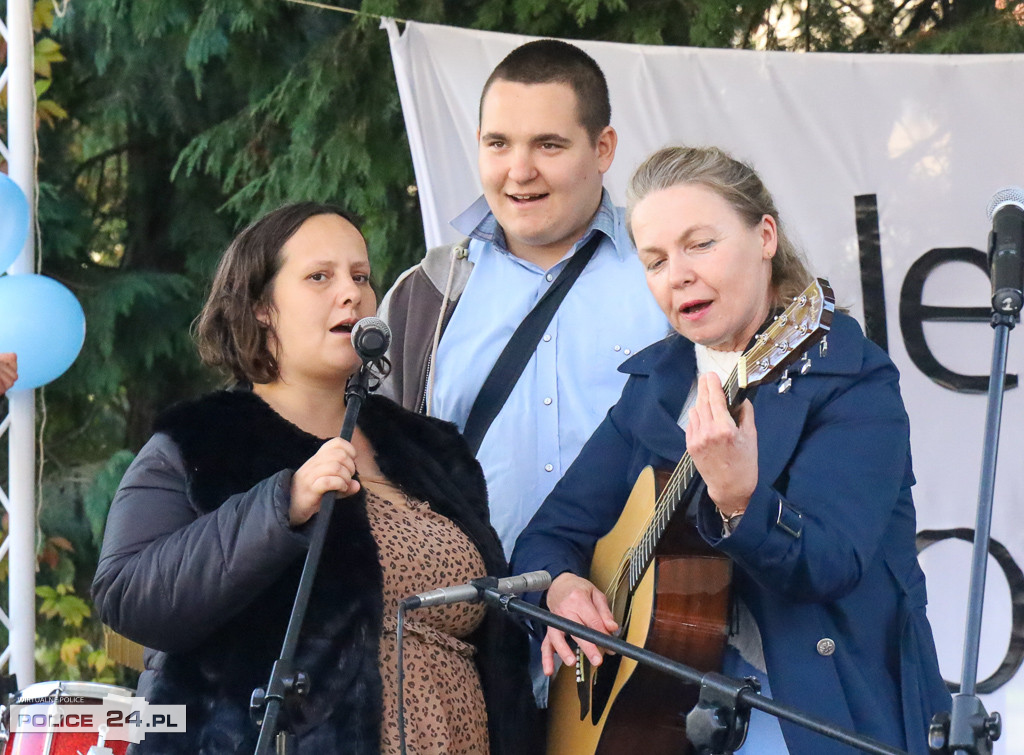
(671, 496)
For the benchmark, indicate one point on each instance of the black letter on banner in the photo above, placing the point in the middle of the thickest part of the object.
(871, 284)
(913, 314)
(1015, 579)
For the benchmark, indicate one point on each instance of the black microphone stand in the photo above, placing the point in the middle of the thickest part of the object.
(718, 722)
(285, 679)
(969, 728)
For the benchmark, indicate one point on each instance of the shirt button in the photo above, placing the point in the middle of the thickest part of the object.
(547, 402)
(626, 352)
(549, 277)
(826, 646)
(549, 468)
(618, 348)
(547, 337)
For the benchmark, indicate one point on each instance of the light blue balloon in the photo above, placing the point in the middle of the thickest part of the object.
(42, 322)
(13, 221)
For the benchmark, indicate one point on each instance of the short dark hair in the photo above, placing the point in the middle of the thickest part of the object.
(228, 333)
(551, 61)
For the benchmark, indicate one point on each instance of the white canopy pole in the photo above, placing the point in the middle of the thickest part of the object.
(21, 120)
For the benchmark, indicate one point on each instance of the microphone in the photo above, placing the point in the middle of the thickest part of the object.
(1005, 243)
(534, 581)
(371, 337)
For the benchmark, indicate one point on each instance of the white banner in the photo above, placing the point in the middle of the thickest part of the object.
(919, 143)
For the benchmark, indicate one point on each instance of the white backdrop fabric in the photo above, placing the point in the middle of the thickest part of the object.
(931, 137)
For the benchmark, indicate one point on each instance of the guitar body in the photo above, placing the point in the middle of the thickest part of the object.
(678, 608)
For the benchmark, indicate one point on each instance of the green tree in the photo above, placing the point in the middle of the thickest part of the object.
(190, 118)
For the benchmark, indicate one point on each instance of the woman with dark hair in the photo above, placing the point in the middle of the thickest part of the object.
(810, 503)
(207, 534)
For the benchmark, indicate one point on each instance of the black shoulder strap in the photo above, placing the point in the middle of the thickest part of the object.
(520, 347)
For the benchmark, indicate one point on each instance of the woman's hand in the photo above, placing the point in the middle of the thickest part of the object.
(725, 454)
(578, 600)
(330, 468)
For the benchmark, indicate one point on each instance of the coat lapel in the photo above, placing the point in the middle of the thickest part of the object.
(670, 368)
(785, 414)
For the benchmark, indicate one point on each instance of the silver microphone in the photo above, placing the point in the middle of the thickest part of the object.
(1006, 249)
(534, 581)
(371, 337)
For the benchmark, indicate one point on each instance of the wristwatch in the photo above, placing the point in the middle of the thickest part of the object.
(730, 521)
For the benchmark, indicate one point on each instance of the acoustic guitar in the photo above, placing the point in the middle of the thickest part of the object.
(667, 588)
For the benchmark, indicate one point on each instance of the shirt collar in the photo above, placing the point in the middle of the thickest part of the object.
(478, 222)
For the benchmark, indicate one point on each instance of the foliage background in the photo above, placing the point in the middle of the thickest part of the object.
(168, 125)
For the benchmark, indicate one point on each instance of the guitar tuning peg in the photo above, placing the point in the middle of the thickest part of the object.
(785, 382)
(823, 347)
(805, 364)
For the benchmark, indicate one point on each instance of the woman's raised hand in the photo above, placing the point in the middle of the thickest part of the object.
(330, 468)
(724, 452)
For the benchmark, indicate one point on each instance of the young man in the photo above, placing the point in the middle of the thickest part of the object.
(544, 145)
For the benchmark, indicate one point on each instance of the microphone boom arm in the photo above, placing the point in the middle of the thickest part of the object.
(719, 693)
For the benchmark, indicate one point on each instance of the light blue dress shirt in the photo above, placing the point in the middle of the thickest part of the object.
(570, 381)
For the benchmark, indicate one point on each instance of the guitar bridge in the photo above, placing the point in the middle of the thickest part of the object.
(582, 684)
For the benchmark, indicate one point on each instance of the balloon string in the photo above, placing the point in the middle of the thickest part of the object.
(41, 462)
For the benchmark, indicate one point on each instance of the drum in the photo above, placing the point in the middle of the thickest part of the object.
(46, 696)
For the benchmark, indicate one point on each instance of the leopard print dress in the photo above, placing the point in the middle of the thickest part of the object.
(421, 550)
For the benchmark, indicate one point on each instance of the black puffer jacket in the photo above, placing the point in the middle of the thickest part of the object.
(199, 563)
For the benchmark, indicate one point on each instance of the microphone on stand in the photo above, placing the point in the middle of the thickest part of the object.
(1006, 211)
(371, 338)
(534, 581)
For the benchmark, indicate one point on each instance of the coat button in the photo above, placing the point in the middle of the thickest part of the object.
(826, 646)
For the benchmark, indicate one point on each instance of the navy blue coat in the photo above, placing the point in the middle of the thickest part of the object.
(825, 549)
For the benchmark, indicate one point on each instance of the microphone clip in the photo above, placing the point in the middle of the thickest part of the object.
(360, 383)
(484, 583)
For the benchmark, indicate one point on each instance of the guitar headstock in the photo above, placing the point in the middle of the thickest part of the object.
(803, 324)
